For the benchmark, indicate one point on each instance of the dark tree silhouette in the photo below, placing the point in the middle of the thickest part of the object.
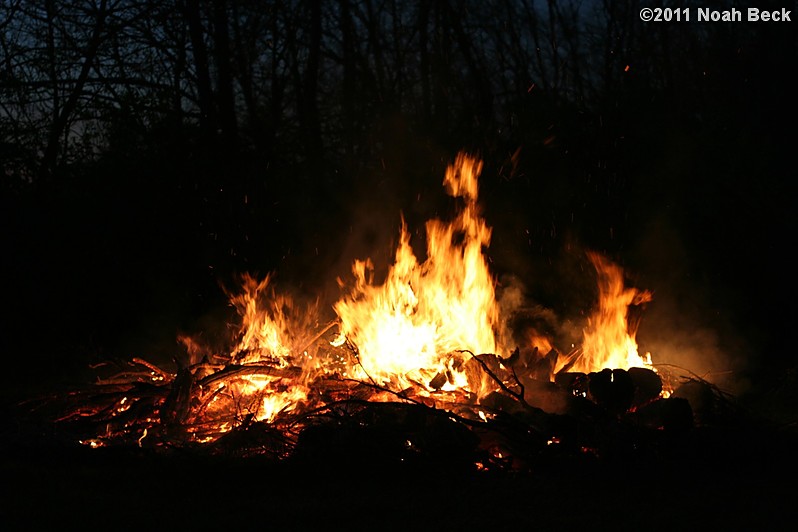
(253, 133)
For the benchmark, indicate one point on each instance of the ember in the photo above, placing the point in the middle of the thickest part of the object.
(426, 350)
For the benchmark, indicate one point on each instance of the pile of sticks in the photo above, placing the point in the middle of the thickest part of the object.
(526, 419)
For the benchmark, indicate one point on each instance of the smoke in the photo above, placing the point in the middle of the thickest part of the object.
(528, 324)
(687, 331)
(687, 325)
(688, 349)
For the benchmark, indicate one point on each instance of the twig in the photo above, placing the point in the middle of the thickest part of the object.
(166, 376)
(126, 377)
(571, 358)
(320, 334)
(504, 387)
(356, 354)
(207, 401)
(249, 369)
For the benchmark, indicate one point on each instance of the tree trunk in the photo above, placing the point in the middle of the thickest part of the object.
(207, 115)
(423, 39)
(310, 109)
(348, 86)
(62, 115)
(224, 76)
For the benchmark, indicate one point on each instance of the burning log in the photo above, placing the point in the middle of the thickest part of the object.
(612, 389)
(531, 363)
(484, 372)
(647, 385)
(175, 410)
(546, 395)
(523, 421)
(234, 371)
(577, 383)
(438, 381)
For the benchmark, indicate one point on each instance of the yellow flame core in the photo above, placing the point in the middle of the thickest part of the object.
(609, 340)
(274, 328)
(264, 331)
(409, 327)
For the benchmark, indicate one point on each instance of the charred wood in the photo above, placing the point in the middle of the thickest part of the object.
(612, 389)
(647, 385)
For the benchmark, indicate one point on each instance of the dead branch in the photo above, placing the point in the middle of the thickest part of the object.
(320, 334)
(499, 382)
(234, 371)
(166, 375)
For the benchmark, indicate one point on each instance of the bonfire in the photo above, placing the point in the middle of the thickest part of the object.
(424, 349)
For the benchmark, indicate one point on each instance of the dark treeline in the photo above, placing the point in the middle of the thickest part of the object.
(152, 149)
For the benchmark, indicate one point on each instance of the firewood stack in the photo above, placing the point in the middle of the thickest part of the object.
(526, 419)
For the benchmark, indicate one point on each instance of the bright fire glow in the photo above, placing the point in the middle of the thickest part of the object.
(418, 327)
(272, 327)
(410, 327)
(609, 340)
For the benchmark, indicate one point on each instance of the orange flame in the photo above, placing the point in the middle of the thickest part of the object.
(609, 340)
(410, 327)
(273, 327)
(414, 328)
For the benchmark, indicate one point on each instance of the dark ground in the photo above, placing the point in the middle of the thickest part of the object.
(726, 480)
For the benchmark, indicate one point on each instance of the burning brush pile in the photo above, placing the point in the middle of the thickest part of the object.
(421, 362)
